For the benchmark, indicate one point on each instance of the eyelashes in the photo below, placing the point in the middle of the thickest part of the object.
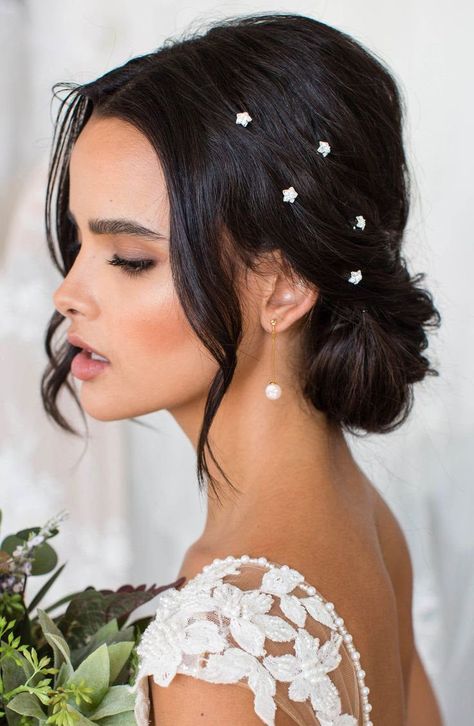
(132, 268)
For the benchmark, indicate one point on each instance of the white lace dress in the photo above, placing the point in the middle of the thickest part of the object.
(260, 625)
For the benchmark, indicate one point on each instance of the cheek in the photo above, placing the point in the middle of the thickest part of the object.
(162, 356)
(157, 324)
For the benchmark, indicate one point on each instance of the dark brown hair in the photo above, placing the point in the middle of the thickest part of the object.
(302, 81)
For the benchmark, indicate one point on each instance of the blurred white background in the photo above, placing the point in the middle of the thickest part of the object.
(132, 493)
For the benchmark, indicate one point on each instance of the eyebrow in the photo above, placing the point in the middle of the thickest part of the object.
(118, 226)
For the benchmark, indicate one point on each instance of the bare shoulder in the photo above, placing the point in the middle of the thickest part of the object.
(360, 560)
(187, 701)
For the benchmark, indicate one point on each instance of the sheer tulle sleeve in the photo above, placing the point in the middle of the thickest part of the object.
(260, 625)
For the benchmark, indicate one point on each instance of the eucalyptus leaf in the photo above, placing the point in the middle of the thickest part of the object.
(27, 704)
(117, 700)
(11, 542)
(118, 654)
(25, 533)
(45, 558)
(95, 670)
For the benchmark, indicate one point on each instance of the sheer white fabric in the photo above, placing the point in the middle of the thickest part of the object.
(260, 625)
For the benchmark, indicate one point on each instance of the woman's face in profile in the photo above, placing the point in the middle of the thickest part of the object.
(135, 321)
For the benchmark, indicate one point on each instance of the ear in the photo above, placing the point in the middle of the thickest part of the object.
(285, 296)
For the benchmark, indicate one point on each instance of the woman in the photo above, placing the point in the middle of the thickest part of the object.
(250, 187)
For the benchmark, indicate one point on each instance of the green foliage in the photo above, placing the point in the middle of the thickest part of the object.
(45, 558)
(76, 696)
(74, 669)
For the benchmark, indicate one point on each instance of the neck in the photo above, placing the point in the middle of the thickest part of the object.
(282, 456)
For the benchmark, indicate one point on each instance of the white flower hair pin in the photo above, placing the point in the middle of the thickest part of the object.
(243, 118)
(289, 195)
(355, 277)
(360, 222)
(324, 148)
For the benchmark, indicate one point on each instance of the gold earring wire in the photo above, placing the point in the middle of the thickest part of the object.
(273, 322)
(273, 390)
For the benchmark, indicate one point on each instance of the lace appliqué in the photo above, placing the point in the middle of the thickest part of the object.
(181, 633)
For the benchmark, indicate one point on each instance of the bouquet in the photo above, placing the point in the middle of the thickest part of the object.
(75, 667)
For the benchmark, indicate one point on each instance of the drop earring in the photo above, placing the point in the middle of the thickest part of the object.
(273, 390)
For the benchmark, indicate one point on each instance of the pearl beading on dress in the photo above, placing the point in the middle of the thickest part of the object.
(337, 619)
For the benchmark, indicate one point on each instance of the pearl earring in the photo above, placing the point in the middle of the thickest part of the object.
(273, 390)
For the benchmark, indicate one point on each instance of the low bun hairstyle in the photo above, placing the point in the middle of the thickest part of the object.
(301, 81)
(361, 362)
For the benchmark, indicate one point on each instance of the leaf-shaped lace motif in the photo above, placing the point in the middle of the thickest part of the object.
(276, 628)
(293, 609)
(316, 609)
(248, 636)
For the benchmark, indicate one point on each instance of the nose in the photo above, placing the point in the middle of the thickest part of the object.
(71, 298)
(64, 301)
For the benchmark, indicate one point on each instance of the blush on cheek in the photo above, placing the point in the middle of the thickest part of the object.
(161, 328)
(164, 364)
(159, 364)
(177, 377)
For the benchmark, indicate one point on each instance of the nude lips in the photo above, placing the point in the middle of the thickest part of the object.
(85, 368)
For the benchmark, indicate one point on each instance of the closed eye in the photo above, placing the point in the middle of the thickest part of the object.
(131, 267)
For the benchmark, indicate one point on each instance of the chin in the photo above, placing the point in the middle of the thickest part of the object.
(104, 407)
(109, 407)
(105, 413)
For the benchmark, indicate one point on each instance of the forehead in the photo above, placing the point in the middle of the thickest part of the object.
(114, 169)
